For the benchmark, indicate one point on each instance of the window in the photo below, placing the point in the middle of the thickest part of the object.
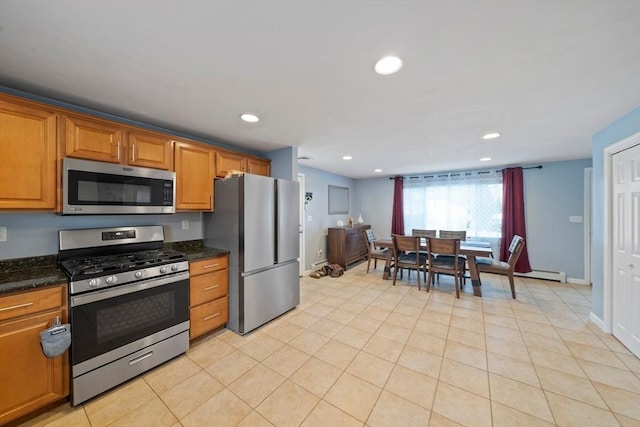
(470, 201)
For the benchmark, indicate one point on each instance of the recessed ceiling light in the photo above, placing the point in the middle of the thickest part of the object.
(377, 170)
(485, 159)
(347, 157)
(388, 65)
(248, 117)
(492, 135)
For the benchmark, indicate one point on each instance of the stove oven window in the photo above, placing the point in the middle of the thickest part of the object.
(126, 318)
(101, 326)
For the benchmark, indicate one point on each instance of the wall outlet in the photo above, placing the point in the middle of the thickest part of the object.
(3, 234)
(185, 224)
(319, 253)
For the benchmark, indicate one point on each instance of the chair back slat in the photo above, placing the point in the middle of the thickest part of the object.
(515, 248)
(423, 233)
(450, 234)
(406, 243)
(441, 246)
(370, 235)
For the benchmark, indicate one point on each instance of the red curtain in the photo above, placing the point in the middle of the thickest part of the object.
(397, 217)
(513, 217)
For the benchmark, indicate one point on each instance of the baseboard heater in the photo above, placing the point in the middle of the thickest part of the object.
(318, 265)
(558, 276)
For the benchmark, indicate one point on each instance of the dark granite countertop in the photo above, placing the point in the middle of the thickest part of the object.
(24, 274)
(29, 273)
(195, 250)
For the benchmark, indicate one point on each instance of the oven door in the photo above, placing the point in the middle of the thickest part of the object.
(109, 324)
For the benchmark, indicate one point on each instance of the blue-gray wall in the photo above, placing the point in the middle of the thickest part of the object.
(617, 131)
(284, 163)
(552, 194)
(317, 182)
(34, 234)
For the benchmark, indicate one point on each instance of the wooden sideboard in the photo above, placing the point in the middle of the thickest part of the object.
(346, 245)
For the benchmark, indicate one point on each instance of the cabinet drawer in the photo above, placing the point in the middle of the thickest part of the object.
(208, 265)
(30, 302)
(209, 316)
(208, 287)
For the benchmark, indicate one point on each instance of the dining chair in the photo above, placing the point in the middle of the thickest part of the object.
(491, 265)
(406, 253)
(373, 252)
(462, 236)
(438, 263)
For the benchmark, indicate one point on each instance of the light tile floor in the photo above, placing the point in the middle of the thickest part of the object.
(359, 351)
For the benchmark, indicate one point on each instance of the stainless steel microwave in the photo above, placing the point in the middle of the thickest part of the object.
(96, 188)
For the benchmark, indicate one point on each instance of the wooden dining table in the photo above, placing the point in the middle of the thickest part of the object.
(471, 251)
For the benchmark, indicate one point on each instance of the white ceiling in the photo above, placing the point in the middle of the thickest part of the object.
(547, 75)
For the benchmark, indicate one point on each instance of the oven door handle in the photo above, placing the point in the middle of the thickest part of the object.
(127, 289)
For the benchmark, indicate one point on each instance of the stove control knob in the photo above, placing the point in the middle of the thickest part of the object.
(111, 280)
(94, 283)
(174, 267)
(163, 270)
(139, 274)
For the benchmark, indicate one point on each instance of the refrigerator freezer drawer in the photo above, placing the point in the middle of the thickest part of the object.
(267, 295)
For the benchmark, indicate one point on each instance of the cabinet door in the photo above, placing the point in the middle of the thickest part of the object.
(27, 157)
(149, 150)
(259, 167)
(30, 380)
(93, 140)
(209, 316)
(194, 177)
(227, 162)
(208, 287)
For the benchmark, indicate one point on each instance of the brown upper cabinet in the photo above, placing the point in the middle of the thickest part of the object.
(194, 176)
(35, 137)
(27, 157)
(93, 139)
(150, 150)
(228, 162)
(259, 166)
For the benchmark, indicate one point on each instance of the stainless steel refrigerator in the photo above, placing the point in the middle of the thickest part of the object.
(256, 218)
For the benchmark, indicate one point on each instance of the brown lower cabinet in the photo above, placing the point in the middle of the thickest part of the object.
(28, 379)
(208, 301)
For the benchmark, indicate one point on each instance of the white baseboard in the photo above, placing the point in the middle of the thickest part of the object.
(559, 276)
(574, 281)
(598, 322)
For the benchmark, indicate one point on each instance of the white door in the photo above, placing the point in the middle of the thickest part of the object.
(626, 247)
(301, 223)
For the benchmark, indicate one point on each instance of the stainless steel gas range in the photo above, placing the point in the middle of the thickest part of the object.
(129, 304)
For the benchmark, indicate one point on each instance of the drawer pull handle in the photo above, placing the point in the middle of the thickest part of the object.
(140, 358)
(210, 266)
(212, 316)
(27, 304)
(211, 287)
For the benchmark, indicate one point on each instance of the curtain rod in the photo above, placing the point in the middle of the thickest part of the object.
(459, 173)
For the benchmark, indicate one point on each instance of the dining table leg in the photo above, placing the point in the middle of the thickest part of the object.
(475, 275)
(387, 266)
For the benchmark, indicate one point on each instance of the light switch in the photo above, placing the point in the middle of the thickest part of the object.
(576, 218)
(309, 218)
